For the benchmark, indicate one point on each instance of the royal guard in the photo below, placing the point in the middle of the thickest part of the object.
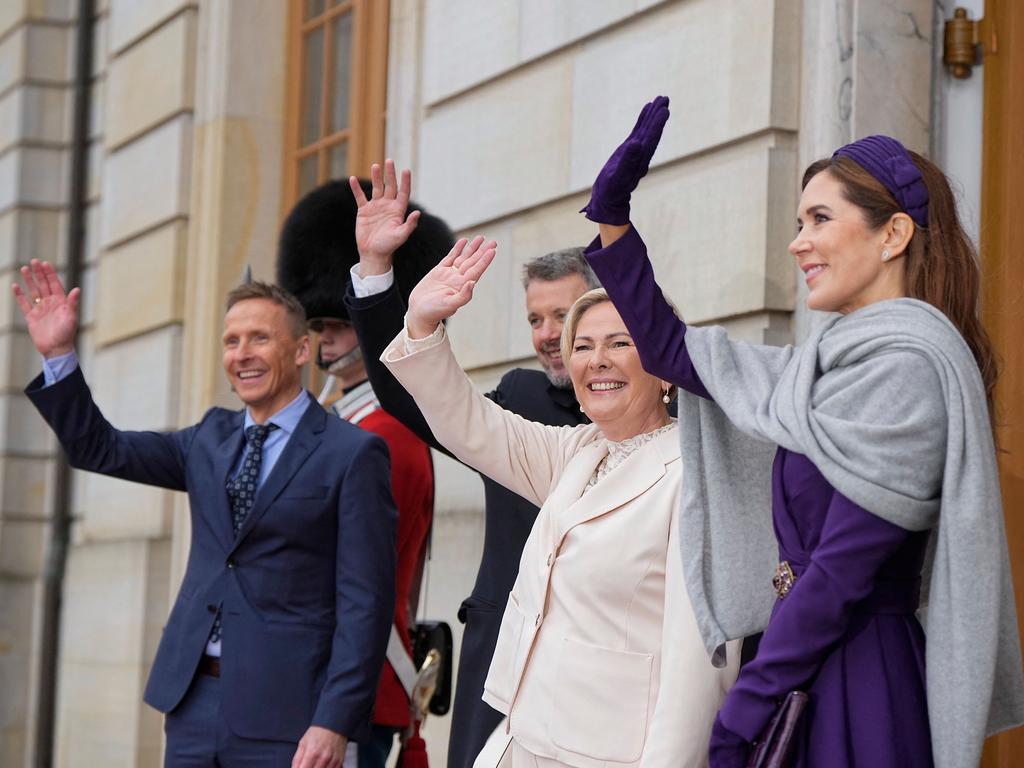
(317, 249)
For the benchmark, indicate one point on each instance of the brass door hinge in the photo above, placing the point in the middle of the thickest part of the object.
(965, 42)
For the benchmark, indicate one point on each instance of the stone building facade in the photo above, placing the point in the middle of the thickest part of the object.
(504, 109)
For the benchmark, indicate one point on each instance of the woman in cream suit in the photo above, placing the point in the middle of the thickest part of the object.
(599, 661)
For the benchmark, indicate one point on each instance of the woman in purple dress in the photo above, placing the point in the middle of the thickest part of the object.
(880, 441)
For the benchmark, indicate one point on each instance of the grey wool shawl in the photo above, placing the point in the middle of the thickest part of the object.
(888, 404)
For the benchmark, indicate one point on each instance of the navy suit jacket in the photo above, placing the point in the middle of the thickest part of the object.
(306, 589)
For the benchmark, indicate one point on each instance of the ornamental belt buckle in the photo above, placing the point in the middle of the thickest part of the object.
(784, 579)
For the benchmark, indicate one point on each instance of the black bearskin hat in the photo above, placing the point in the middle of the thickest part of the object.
(317, 249)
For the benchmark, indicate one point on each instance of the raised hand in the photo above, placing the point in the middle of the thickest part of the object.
(51, 314)
(448, 286)
(609, 197)
(381, 224)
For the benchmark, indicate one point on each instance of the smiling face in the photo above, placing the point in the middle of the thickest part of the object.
(547, 303)
(612, 387)
(841, 257)
(262, 357)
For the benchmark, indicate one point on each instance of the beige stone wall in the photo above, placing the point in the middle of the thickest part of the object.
(35, 114)
(117, 584)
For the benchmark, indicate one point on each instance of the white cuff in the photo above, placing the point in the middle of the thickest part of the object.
(371, 285)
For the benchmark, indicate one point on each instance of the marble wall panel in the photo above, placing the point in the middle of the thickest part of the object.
(465, 42)
(136, 383)
(893, 67)
(25, 483)
(103, 668)
(27, 234)
(523, 157)
(131, 19)
(23, 547)
(33, 176)
(714, 59)
(17, 661)
(22, 429)
(146, 275)
(478, 329)
(152, 80)
(107, 509)
(49, 53)
(147, 182)
(545, 26)
(38, 114)
(19, 359)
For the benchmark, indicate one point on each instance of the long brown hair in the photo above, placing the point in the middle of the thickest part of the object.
(942, 266)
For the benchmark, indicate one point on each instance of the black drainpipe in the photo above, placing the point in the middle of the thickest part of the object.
(53, 575)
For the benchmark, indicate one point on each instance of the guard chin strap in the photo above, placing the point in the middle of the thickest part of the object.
(353, 356)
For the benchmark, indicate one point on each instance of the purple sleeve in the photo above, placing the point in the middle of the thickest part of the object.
(659, 335)
(854, 545)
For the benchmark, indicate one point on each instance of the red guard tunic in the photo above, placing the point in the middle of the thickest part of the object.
(412, 483)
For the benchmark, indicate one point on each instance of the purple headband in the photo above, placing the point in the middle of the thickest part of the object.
(890, 163)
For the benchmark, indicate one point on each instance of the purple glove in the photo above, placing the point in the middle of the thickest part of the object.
(727, 749)
(609, 197)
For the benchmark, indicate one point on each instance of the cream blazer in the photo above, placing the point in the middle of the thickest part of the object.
(599, 661)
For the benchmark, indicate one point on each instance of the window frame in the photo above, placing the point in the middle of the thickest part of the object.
(364, 135)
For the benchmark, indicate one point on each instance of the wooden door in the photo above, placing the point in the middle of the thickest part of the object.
(1002, 255)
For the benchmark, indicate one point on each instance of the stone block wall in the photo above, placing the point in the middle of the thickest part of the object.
(117, 587)
(36, 55)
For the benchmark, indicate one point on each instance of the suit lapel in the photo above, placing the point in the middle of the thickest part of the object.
(300, 445)
(225, 456)
(623, 484)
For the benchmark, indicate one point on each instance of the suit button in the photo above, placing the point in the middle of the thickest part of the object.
(231, 563)
(211, 608)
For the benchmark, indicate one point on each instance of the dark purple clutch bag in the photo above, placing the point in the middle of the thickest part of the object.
(775, 746)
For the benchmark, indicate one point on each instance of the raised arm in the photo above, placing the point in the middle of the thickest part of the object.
(375, 305)
(64, 400)
(619, 257)
(522, 455)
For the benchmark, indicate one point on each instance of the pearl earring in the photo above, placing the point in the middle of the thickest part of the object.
(886, 255)
(665, 398)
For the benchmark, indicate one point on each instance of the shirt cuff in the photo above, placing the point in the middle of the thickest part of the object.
(418, 345)
(371, 285)
(59, 368)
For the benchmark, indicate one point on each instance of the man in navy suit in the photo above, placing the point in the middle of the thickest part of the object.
(273, 648)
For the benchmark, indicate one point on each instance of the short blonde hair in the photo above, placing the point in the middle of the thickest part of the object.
(587, 301)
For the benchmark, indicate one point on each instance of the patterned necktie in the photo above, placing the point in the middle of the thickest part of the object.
(242, 488)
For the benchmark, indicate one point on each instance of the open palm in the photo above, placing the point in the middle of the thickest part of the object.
(381, 224)
(50, 314)
(448, 286)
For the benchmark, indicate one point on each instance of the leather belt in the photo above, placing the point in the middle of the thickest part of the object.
(209, 665)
